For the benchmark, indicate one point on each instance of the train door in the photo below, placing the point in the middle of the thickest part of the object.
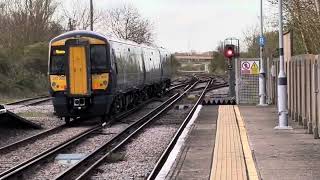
(78, 69)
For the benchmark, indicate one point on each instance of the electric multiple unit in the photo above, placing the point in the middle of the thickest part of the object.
(93, 75)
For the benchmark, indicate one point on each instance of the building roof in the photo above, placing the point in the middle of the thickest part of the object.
(193, 57)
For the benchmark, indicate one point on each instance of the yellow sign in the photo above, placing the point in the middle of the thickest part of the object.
(250, 67)
(254, 68)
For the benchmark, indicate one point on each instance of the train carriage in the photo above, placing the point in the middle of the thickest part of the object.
(94, 75)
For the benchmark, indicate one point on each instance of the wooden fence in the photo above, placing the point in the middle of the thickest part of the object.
(303, 79)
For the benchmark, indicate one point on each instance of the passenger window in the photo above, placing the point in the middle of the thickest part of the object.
(98, 57)
(115, 60)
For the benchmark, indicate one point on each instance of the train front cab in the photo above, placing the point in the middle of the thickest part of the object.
(79, 71)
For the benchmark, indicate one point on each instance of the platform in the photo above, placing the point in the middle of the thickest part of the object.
(231, 142)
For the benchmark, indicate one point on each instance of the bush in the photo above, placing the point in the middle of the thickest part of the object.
(218, 64)
(24, 74)
(35, 57)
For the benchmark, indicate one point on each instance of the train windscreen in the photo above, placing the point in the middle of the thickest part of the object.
(57, 61)
(98, 58)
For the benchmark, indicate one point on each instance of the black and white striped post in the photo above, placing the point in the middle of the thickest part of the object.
(282, 80)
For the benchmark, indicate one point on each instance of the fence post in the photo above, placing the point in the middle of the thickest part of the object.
(309, 94)
(304, 90)
(295, 93)
(315, 99)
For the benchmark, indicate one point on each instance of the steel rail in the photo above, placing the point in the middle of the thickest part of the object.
(26, 100)
(118, 141)
(173, 142)
(16, 170)
(30, 139)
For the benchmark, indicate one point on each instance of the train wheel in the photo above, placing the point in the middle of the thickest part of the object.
(67, 120)
(116, 106)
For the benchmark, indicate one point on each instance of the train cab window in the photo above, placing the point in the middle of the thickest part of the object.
(98, 57)
(57, 61)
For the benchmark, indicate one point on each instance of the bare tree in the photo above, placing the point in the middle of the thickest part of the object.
(303, 18)
(26, 22)
(78, 16)
(127, 23)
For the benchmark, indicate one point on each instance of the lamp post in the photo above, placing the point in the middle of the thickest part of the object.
(282, 80)
(91, 15)
(262, 73)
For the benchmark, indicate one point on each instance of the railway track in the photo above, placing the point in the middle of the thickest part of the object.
(161, 161)
(30, 139)
(21, 168)
(54, 131)
(31, 101)
(46, 133)
(84, 167)
(112, 145)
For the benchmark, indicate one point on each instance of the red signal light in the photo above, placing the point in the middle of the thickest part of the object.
(229, 51)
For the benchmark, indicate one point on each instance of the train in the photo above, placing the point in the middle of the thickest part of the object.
(92, 74)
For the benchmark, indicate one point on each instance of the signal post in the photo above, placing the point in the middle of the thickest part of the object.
(229, 54)
(231, 51)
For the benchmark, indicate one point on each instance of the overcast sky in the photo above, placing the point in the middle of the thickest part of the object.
(184, 25)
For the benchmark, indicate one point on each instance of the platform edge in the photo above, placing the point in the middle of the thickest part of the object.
(251, 168)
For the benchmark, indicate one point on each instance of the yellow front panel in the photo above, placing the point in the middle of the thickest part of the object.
(78, 70)
(100, 81)
(58, 82)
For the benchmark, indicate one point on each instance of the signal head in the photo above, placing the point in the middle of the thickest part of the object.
(229, 51)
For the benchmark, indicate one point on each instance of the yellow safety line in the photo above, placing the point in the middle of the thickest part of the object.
(228, 159)
(251, 168)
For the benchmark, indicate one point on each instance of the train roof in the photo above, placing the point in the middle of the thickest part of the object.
(102, 37)
(79, 33)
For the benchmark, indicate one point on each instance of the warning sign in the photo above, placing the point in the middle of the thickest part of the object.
(250, 67)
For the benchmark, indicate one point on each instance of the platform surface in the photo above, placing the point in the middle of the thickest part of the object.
(281, 155)
(218, 147)
(195, 158)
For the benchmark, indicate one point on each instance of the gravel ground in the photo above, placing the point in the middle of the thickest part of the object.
(224, 90)
(54, 168)
(201, 85)
(41, 114)
(137, 159)
(8, 136)
(44, 108)
(140, 155)
(12, 158)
